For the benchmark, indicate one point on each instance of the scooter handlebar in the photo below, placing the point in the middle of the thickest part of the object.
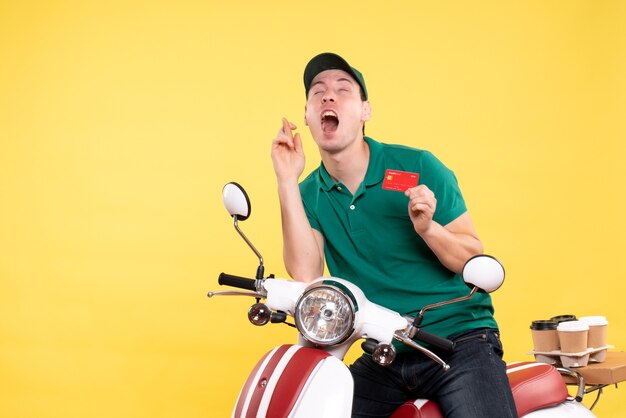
(434, 340)
(237, 281)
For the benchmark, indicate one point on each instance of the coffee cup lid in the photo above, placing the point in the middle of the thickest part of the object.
(594, 320)
(543, 325)
(573, 326)
(563, 318)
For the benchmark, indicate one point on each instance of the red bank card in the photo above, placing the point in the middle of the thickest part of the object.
(399, 181)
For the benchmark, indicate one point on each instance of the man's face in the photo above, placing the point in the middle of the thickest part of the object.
(334, 110)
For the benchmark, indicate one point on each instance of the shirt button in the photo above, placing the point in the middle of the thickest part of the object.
(352, 207)
(339, 188)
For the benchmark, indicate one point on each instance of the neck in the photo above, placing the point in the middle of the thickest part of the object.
(350, 165)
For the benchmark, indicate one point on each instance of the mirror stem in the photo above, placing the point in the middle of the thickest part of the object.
(260, 270)
(420, 316)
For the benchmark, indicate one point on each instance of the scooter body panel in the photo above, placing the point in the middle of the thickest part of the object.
(569, 409)
(328, 392)
(423, 408)
(299, 382)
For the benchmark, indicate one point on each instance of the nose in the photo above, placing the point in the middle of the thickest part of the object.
(328, 97)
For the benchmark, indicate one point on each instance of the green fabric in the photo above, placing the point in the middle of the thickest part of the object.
(370, 240)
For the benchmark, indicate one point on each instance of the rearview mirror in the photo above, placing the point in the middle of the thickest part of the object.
(236, 201)
(484, 272)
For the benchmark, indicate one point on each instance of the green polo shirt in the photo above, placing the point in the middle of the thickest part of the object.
(369, 239)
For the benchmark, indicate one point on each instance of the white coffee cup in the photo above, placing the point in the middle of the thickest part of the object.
(597, 330)
(573, 336)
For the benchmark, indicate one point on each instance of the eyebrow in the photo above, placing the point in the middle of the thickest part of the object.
(348, 79)
(315, 84)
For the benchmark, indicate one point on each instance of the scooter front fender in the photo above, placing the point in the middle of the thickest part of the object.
(298, 382)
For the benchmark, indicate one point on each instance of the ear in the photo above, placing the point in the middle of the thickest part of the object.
(366, 111)
(305, 121)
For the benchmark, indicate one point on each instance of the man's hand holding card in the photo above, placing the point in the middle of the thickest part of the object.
(400, 181)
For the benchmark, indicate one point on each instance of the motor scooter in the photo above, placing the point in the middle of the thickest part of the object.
(308, 379)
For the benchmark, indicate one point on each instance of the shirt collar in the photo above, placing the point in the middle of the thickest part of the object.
(375, 168)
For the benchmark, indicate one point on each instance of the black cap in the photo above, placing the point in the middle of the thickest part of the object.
(543, 325)
(330, 61)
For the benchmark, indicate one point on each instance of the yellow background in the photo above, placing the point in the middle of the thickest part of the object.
(120, 121)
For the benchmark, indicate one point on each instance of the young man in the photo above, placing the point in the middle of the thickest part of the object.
(405, 250)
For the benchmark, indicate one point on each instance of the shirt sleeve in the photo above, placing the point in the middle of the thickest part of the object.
(307, 210)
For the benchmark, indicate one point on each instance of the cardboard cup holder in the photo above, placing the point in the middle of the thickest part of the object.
(583, 338)
(580, 359)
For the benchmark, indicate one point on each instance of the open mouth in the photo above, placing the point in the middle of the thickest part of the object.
(330, 121)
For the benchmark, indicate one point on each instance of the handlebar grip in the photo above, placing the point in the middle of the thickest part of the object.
(369, 345)
(237, 281)
(434, 340)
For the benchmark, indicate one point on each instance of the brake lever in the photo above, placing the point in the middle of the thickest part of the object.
(404, 339)
(236, 293)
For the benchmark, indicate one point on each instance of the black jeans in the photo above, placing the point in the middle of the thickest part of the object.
(476, 385)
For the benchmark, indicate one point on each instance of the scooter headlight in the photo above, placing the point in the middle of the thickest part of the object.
(325, 315)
